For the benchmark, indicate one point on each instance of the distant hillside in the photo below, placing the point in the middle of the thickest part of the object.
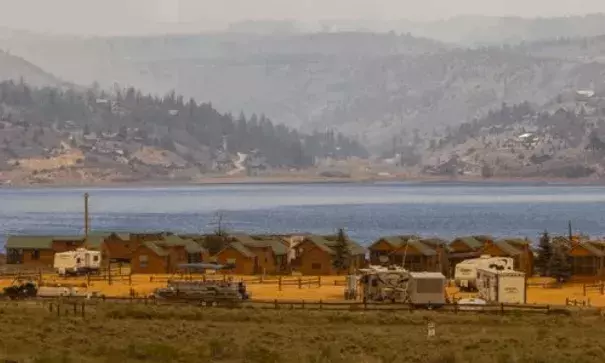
(476, 29)
(15, 68)
(565, 138)
(49, 135)
(369, 86)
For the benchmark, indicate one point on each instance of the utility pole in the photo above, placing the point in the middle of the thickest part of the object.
(86, 216)
(570, 233)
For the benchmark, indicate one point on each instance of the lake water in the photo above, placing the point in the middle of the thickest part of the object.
(366, 211)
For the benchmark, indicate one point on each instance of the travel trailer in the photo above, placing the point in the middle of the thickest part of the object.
(78, 262)
(502, 286)
(395, 284)
(465, 274)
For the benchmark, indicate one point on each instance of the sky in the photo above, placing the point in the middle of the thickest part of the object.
(104, 17)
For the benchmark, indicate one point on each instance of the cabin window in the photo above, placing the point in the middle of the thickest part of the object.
(95, 258)
(143, 260)
(316, 266)
(231, 260)
(35, 255)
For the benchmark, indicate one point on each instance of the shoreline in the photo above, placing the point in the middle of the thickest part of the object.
(292, 180)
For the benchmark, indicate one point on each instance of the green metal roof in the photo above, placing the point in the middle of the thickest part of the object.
(262, 241)
(155, 248)
(327, 243)
(471, 242)
(505, 246)
(396, 241)
(589, 246)
(239, 247)
(30, 242)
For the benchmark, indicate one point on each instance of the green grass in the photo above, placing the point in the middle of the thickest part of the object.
(123, 333)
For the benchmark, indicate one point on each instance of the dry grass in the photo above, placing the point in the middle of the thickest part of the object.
(125, 333)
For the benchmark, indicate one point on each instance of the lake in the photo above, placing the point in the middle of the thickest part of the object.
(366, 211)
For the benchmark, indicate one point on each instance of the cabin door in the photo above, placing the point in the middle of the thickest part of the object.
(87, 260)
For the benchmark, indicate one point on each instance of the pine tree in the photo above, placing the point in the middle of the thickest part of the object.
(544, 254)
(342, 257)
(559, 265)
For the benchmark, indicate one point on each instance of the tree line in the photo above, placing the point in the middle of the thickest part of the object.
(171, 120)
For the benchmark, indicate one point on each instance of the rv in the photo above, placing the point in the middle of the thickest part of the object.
(395, 284)
(465, 274)
(502, 286)
(78, 262)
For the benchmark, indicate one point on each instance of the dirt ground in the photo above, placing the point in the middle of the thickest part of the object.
(145, 284)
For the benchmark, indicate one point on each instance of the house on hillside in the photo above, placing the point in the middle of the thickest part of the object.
(255, 254)
(315, 255)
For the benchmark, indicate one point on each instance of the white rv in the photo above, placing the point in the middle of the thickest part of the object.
(80, 261)
(502, 286)
(465, 274)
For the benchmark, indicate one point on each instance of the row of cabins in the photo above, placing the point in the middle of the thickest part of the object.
(283, 254)
(155, 253)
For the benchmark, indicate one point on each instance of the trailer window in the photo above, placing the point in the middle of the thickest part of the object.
(78, 260)
(95, 258)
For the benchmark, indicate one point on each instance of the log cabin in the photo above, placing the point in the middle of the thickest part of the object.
(315, 255)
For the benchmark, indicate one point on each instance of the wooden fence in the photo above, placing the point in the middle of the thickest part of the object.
(280, 281)
(594, 287)
(77, 306)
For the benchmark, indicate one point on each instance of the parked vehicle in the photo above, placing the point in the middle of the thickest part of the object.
(21, 291)
(78, 262)
(465, 274)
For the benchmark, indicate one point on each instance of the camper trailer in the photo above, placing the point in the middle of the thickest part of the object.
(465, 274)
(395, 284)
(78, 262)
(501, 286)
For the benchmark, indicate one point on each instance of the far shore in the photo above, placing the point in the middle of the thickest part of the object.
(227, 180)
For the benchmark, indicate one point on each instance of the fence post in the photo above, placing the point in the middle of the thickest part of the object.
(584, 289)
(75, 308)
(602, 287)
(548, 309)
(50, 307)
(300, 282)
(130, 278)
(320, 304)
(566, 301)
(276, 306)
(318, 281)
(303, 304)
(501, 308)
(279, 283)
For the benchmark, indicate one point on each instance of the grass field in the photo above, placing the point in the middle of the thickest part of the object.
(328, 291)
(135, 333)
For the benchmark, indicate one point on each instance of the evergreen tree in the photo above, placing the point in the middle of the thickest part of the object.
(559, 266)
(342, 257)
(544, 254)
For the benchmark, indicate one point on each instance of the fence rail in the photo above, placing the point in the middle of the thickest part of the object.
(67, 304)
(279, 280)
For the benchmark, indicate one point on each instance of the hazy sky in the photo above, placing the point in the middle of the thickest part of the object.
(143, 16)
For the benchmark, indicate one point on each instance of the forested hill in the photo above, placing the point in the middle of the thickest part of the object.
(130, 133)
